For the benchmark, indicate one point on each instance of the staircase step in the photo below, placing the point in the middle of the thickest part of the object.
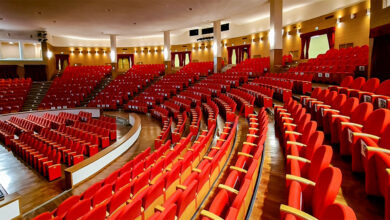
(35, 95)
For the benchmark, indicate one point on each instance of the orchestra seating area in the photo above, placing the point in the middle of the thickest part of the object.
(45, 142)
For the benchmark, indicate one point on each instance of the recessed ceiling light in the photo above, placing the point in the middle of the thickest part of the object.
(39, 12)
(1, 19)
(54, 21)
(189, 9)
(135, 23)
(108, 10)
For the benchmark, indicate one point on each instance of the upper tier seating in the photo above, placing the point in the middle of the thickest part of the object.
(251, 67)
(301, 83)
(201, 68)
(153, 69)
(287, 59)
(76, 82)
(335, 64)
(13, 93)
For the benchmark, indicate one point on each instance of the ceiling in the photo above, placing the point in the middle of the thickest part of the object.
(138, 22)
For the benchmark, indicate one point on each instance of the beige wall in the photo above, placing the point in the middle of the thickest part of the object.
(379, 15)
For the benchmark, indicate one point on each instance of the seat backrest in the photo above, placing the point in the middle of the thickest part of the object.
(349, 106)
(326, 189)
(97, 213)
(186, 197)
(323, 94)
(339, 101)
(78, 210)
(358, 83)
(66, 205)
(315, 92)
(91, 190)
(371, 85)
(384, 88)
(361, 112)
(220, 202)
(102, 194)
(330, 97)
(315, 141)
(338, 211)
(309, 129)
(132, 210)
(347, 81)
(377, 122)
(320, 160)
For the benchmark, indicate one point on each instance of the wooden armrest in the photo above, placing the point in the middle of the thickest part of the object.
(244, 154)
(375, 95)
(291, 124)
(181, 187)
(285, 113)
(180, 158)
(208, 158)
(287, 118)
(301, 159)
(366, 135)
(378, 149)
(353, 124)
(220, 139)
(210, 215)
(228, 188)
(254, 123)
(196, 142)
(252, 135)
(300, 179)
(238, 169)
(296, 212)
(252, 115)
(322, 105)
(215, 148)
(256, 129)
(249, 143)
(388, 170)
(205, 130)
(296, 143)
(197, 170)
(331, 110)
(168, 169)
(293, 132)
(159, 208)
(280, 105)
(340, 116)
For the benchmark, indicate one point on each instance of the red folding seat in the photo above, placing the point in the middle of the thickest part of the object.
(172, 179)
(155, 196)
(78, 210)
(307, 151)
(97, 213)
(304, 99)
(64, 207)
(309, 169)
(328, 111)
(111, 178)
(382, 90)
(319, 100)
(358, 116)
(357, 84)
(218, 206)
(186, 203)
(90, 192)
(318, 107)
(102, 195)
(302, 138)
(165, 213)
(140, 184)
(137, 169)
(130, 211)
(324, 192)
(120, 198)
(122, 181)
(353, 133)
(45, 216)
(369, 87)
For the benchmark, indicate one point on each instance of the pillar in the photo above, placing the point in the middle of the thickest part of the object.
(217, 47)
(275, 34)
(167, 51)
(113, 56)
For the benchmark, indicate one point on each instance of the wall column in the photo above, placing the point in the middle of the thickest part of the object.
(217, 47)
(275, 34)
(167, 52)
(113, 56)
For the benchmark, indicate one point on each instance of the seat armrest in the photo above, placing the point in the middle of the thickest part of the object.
(358, 134)
(352, 124)
(300, 179)
(296, 212)
(378, 149)
(301, 159)
(210, 215)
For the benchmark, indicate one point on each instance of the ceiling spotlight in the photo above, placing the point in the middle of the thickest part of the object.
(135, 23)
(368, 12)
(11, 42)
(1, 19)
(54, 21)
(316, 28)
(62, 52)
(189, 9)
(353, 16)
(108, 10)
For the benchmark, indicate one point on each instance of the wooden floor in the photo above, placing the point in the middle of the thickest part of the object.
(39, 195)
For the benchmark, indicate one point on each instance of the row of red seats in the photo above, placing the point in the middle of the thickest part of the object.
(372, 90)
(154, 69)
(227, 107)
(362, 133)
(75, 84)
(301, 82)
(210, 112)
(334, 65)
(13, 93)
(312, 183)
(233, 197)
(282, 89)
(245, 101)
(263, 96)
(104, 123)
(120, 90)
(196, 118)
(189, 195)
(252, 67)
(201, 68)
(102, 134)
(181, 121)
(45, 159)
(7, 133)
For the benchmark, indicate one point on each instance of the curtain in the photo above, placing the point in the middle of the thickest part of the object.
(238, 53)
(177, 61)
(183, 58)
(230, 50)
(65, 64)
(379, 60)
(126, 63)
(60, 59)
(120, 64)
(305, 40)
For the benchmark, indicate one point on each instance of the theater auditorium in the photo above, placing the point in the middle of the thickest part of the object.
(194, 110)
